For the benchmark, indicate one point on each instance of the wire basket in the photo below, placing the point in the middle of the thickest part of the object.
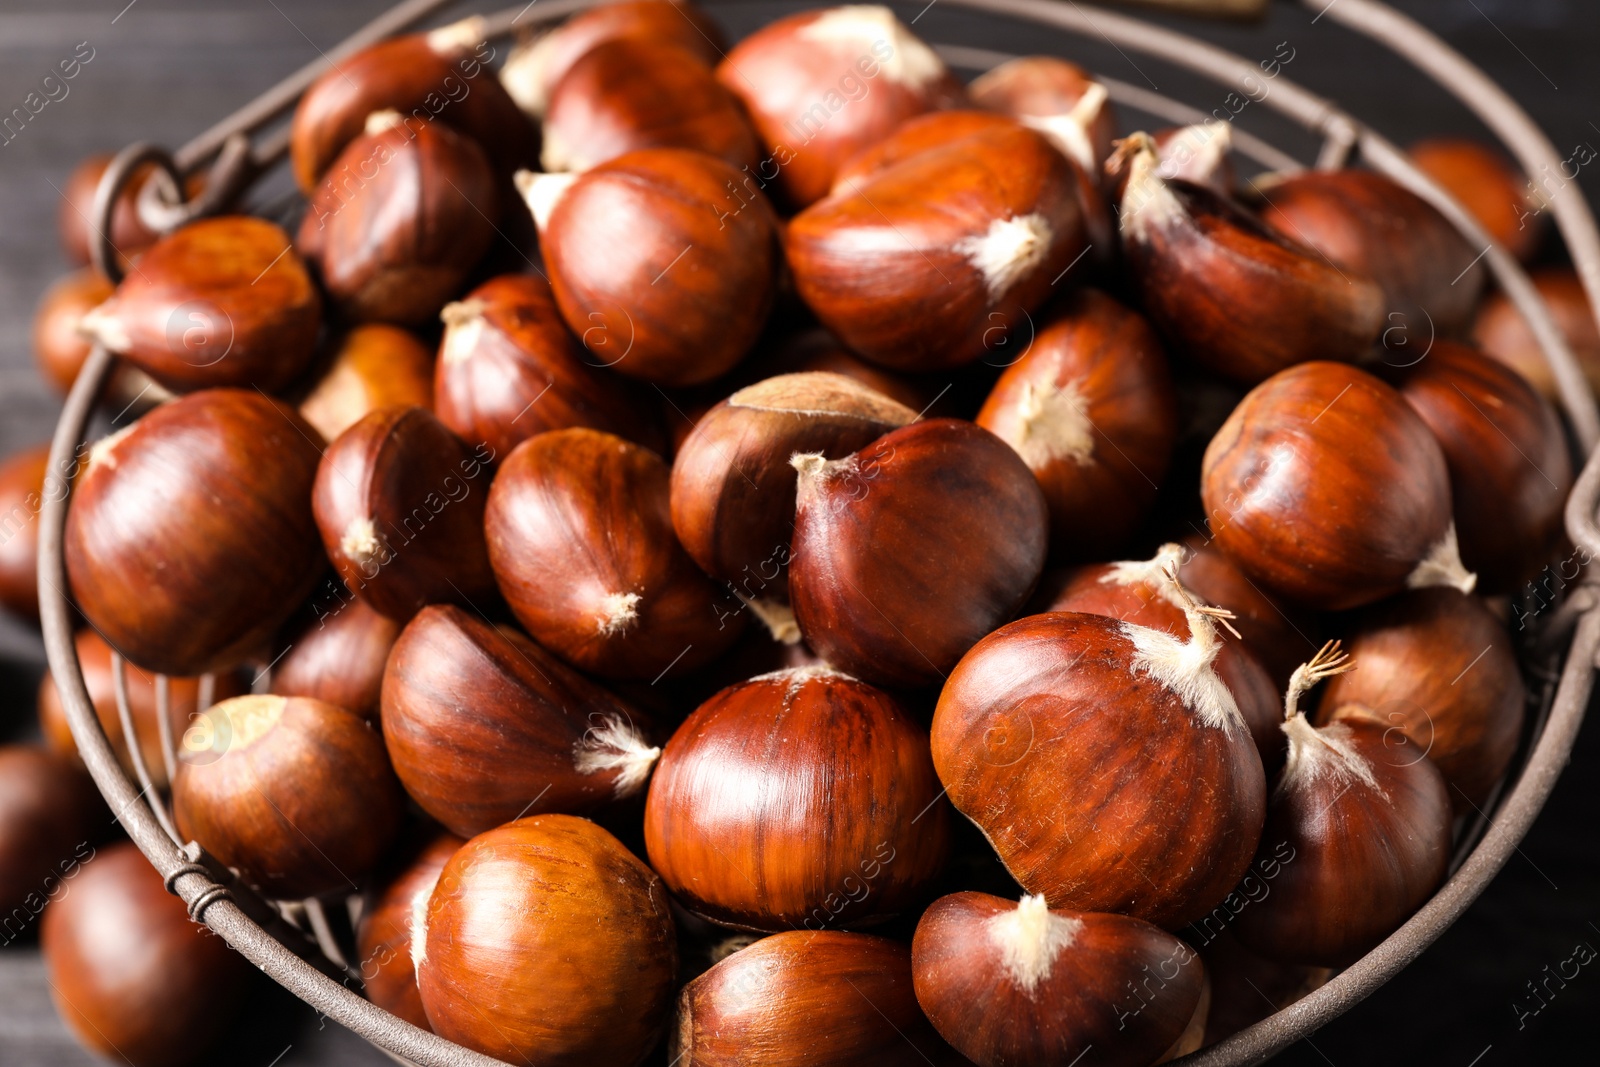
(296, 945)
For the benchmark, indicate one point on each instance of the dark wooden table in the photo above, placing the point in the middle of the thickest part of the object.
(164, 69)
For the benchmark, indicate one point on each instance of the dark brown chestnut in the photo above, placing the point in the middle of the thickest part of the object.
(1438, 666)
(399, 220)
(509, 369)
(75, 213)
(1280, 635)
(338, 657)
(1044, 87)
(1503, 333)
(652, 270)
(1486, 183)
(51, 816)
(1019, 983)
(294, 794)
(929, 263)
(23, 485)
(1326, 487)
(546, 941)
(1229, 292)
(797, 799)
(1089, 406)
(399, 501)
(877, 544)
(133, 977)
(580, 537)
(221, 302)
(373, 366)
(442, 74)
(385, 936)
(1107, 763)
(1367, 819)
(190, 538)
(808, 999)
(733, 489)
(822, 85)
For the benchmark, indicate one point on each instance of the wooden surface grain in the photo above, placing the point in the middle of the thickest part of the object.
(164, 69)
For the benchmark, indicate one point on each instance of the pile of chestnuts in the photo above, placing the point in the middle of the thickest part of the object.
(764, 553)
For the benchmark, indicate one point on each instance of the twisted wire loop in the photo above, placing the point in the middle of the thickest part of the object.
(208, 895)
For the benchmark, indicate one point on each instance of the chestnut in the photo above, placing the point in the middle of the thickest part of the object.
(1229, 292)
(1281, 635)
(483, 726)
(1089, 406)
(384, 938)
(441, 74)
(183, 704)
(733, 490)
(1510, 470)
(1366, 222)
(75, 218)
(821, 85)
(373, 366)
(1044, 87)
(1106, 762)
(1439, 666)
(208, 500)
(1502, 332)
(60, 347)
(638, 92)
(24, 482)
(339, 658)
(818, 350)
(1019, 983)
(133, 977)
(293, 793)
(580, 538)
(509, 369)
(827, 998)
(803, 798)
(1367, 817)
(1489, 186)
(533, 69)
(640, 273)
(1326, 487)
(1198, 154)
(877, 544)
(927, 263)
(50, 818)
(545, 941)
(399, 220)
(399, 501)
(221, 302)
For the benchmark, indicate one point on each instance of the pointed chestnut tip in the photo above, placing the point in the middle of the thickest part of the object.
(542, 192)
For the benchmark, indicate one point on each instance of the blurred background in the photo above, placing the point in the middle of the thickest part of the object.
(162, 70)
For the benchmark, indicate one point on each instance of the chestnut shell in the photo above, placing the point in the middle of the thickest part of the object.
(373, 365)
(50, 816)
(23, 478)
(383, 941)
(339, 658)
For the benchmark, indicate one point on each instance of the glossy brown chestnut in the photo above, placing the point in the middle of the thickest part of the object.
(877, 544)
(190, 538)
(1487, 184)
(221, 302)
(1503, 333)
(339, 657)
(385, 937)
(1228, 291)
(51, 816)
(1044, 87)
(399, 220)
(58, 346)
(662, 272)
(1090, 408)
(442, 74)
(800, 799)
(399, 501)
(75, 213)
(1441, 667)
(580, 537)
(532, 70)
(547, 942)
(1510, 471)
(822, 85)
(804, 999)
(1362, 221)
(133, 977)
(1019, 983)
(636, 92)
(1107, 763)
(23, 478)
(930, 262)
(294, 794)
(483, 725)
(1281, 635)
(1368, 819)
(373, 366)
(733, 489)
(509, 368)
(183, 703)
(1326, 487)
